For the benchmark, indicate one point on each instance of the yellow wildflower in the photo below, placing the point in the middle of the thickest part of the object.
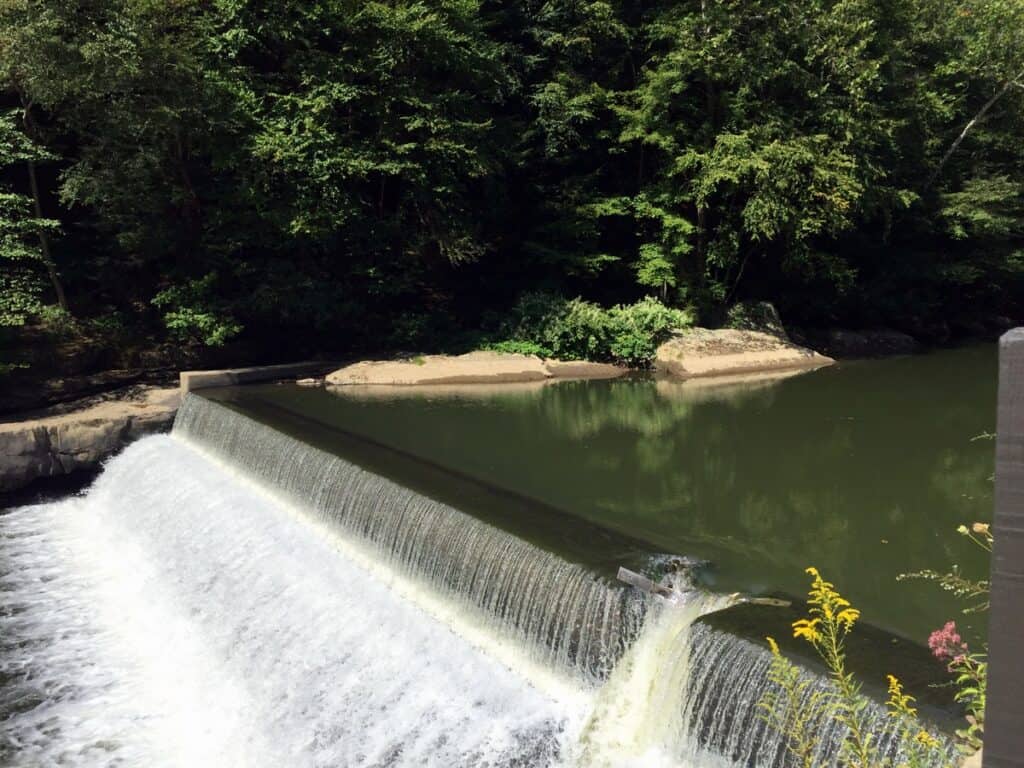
(899, 702)
(773, 645)
(925, 739)
(848, 616)
(808, 629)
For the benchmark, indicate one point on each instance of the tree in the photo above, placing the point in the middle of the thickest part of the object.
(24, 233)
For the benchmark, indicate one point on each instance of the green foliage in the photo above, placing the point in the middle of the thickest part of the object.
(637, 329)
(22, 266)
(518, 347)
(581, 330)
(799, 712)
(387, 173)
(969, 670)
(793, 707)
(655, 269)
(193, 314)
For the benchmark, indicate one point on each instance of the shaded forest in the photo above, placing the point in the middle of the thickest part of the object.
(341, 175)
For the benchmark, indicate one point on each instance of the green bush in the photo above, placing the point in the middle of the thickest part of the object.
(581, 332)
(549, 325)
(193, 314)
(518, 347)
(532, 315)
(638, 329)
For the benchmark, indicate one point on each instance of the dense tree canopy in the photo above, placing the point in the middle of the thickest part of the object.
(374, 174)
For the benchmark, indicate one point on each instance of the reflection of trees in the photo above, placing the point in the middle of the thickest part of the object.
(765, 480)
(580, 409)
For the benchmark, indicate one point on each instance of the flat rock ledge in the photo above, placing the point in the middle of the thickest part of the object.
(471, 368)
(61, 443)
(703, 352)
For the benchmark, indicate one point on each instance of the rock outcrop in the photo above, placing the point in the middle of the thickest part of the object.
(877, 342)
(472, 368)
(703, 352)
(62, 442)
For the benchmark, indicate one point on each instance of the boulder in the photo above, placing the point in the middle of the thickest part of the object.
(703, 352)
(756, 316)
(61, 443)
(875, 342)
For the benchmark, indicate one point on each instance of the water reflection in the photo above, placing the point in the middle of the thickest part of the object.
(863, 469)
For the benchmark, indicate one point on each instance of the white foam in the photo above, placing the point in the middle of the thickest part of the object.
(175, 617)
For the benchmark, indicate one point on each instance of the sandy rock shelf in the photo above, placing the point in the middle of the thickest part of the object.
(471, 368)
(65, 442)
(699, 352)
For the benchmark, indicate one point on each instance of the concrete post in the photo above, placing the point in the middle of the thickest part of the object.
(1004, 712)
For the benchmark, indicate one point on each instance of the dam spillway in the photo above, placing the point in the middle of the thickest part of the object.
(230, 595)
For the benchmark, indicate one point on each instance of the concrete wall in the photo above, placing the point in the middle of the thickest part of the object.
(193, 380)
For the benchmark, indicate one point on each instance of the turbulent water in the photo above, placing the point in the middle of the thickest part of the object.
(175, 617)
(230, 596)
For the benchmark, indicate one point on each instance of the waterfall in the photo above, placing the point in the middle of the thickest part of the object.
(568, 615)
(231, 596)
(721, 711)
(175, 617)
(638, 716)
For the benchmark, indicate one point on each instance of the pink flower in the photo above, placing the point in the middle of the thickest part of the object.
(946, 643)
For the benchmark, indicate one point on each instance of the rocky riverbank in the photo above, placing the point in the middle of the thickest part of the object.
(695, 352)
(80, 435)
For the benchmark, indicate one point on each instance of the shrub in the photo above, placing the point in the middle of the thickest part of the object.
(515, 347)
(532, 314)
(581, 332)
(637, 329)
(192, 313)
(549, 325)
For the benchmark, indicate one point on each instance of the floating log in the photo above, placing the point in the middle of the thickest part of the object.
(644, 584)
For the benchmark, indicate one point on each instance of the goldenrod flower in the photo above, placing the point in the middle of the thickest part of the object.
(773, 645)
(848, 616)
(899, 702)
(807, 628)
(926, 739)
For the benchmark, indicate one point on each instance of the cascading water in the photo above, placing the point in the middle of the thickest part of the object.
(721, 710)
(175, 617)
(569, 616)
(638, 717)
(231, 596)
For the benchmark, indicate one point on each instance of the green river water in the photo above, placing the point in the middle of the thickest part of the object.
(864, 469)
